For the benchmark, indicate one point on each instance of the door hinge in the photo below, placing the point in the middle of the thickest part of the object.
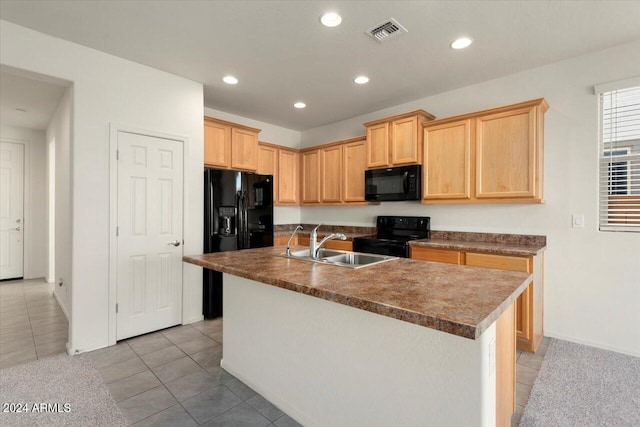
(117, 231)
(117, 154)
(116, 307)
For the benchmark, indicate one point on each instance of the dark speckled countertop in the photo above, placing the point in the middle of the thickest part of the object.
(490, 243)
(460, 300)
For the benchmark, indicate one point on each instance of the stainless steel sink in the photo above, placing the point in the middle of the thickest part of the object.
(340, 258)
(356, 259)
(322, 253)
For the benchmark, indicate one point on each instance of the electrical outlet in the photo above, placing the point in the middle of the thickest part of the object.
(577, 220)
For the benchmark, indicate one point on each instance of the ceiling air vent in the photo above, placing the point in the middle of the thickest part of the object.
(387, 30)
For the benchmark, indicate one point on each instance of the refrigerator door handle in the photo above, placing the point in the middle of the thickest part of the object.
(211, 219)
(246, 221)
(240, 220)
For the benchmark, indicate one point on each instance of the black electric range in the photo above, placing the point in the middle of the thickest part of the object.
(394, 234)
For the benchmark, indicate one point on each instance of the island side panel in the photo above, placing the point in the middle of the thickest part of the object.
(327, 364)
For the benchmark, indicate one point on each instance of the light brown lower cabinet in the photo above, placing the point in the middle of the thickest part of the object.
(529, 327)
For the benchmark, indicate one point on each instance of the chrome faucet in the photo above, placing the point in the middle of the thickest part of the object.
(291, 238)
(314, 246)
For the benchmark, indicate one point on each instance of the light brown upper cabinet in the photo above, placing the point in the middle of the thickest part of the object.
(310, 167)
(396, 140)
(282, 163)
(354, 164)
(288, 177)
(490, 156)
(447, 155)
(230, 145)
(217, 144)
(331, 174)
(267, 159)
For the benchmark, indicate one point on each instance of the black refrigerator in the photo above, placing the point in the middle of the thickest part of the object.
(238, 214)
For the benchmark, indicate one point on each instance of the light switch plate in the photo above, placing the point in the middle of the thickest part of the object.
(577, 220)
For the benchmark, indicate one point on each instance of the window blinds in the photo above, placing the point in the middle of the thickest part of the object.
(620, 160)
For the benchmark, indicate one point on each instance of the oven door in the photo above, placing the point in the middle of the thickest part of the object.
(393, 184)
(381, 247)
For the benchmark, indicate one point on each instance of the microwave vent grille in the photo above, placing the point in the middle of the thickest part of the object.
(386, 30)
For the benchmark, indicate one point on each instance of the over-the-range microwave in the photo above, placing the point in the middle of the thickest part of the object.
(393, 184)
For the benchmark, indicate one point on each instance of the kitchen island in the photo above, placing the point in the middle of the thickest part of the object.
(404, 342)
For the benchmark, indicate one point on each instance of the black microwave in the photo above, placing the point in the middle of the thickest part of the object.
(393, 184)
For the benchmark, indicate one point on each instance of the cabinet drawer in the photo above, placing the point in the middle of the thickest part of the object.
(437, 255)
(342, 245)
(502, 262)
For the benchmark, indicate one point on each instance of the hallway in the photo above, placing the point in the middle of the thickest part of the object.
(32, 324)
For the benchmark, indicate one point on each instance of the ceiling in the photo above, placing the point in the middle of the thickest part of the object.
(282, 54)
(37, 97)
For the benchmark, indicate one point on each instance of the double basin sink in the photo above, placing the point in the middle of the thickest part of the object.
(340, 258)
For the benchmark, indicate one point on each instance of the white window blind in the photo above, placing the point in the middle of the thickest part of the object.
(620, 160)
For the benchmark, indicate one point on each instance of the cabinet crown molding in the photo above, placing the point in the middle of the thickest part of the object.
(421, 113)
(235, 125)
(495, 110)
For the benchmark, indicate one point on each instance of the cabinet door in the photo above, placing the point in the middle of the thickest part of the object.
(354, 166)
(217, 144)
(331, 174)
(505, 154)
(288, 177)
(310, 176)
(378, 145)
(404, 147)
(244, 149)
(447, 161)
(267, 160)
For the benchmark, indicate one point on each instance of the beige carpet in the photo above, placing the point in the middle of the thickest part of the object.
(582, 386)
(57, 391)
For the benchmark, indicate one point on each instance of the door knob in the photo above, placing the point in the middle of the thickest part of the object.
(174, 243)
(16, 229)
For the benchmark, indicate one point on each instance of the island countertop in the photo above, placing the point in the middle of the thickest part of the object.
(460, 300)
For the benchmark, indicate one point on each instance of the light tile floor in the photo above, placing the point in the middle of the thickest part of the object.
(32, 325)
(172, 377)
(527, 367)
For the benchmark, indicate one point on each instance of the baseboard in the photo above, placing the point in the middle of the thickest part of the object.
(64, 309)
(272, 398)
(622, 350)
(193, 320)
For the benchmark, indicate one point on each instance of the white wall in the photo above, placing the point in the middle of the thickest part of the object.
(106, 90)
(592, 278)
(275, 135)
(35, 221)
(59, 129)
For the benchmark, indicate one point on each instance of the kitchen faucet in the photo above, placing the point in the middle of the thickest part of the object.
(299, 227)
(314, 246)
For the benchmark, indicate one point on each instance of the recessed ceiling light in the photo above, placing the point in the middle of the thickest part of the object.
(331, 19)
(299, 105)
(230, 80)
(461, 43)
(361, 80)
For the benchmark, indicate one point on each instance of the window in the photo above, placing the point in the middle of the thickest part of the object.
(620, 159)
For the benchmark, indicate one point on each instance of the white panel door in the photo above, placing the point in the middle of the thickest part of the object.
(149, 261)
(11, 210)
